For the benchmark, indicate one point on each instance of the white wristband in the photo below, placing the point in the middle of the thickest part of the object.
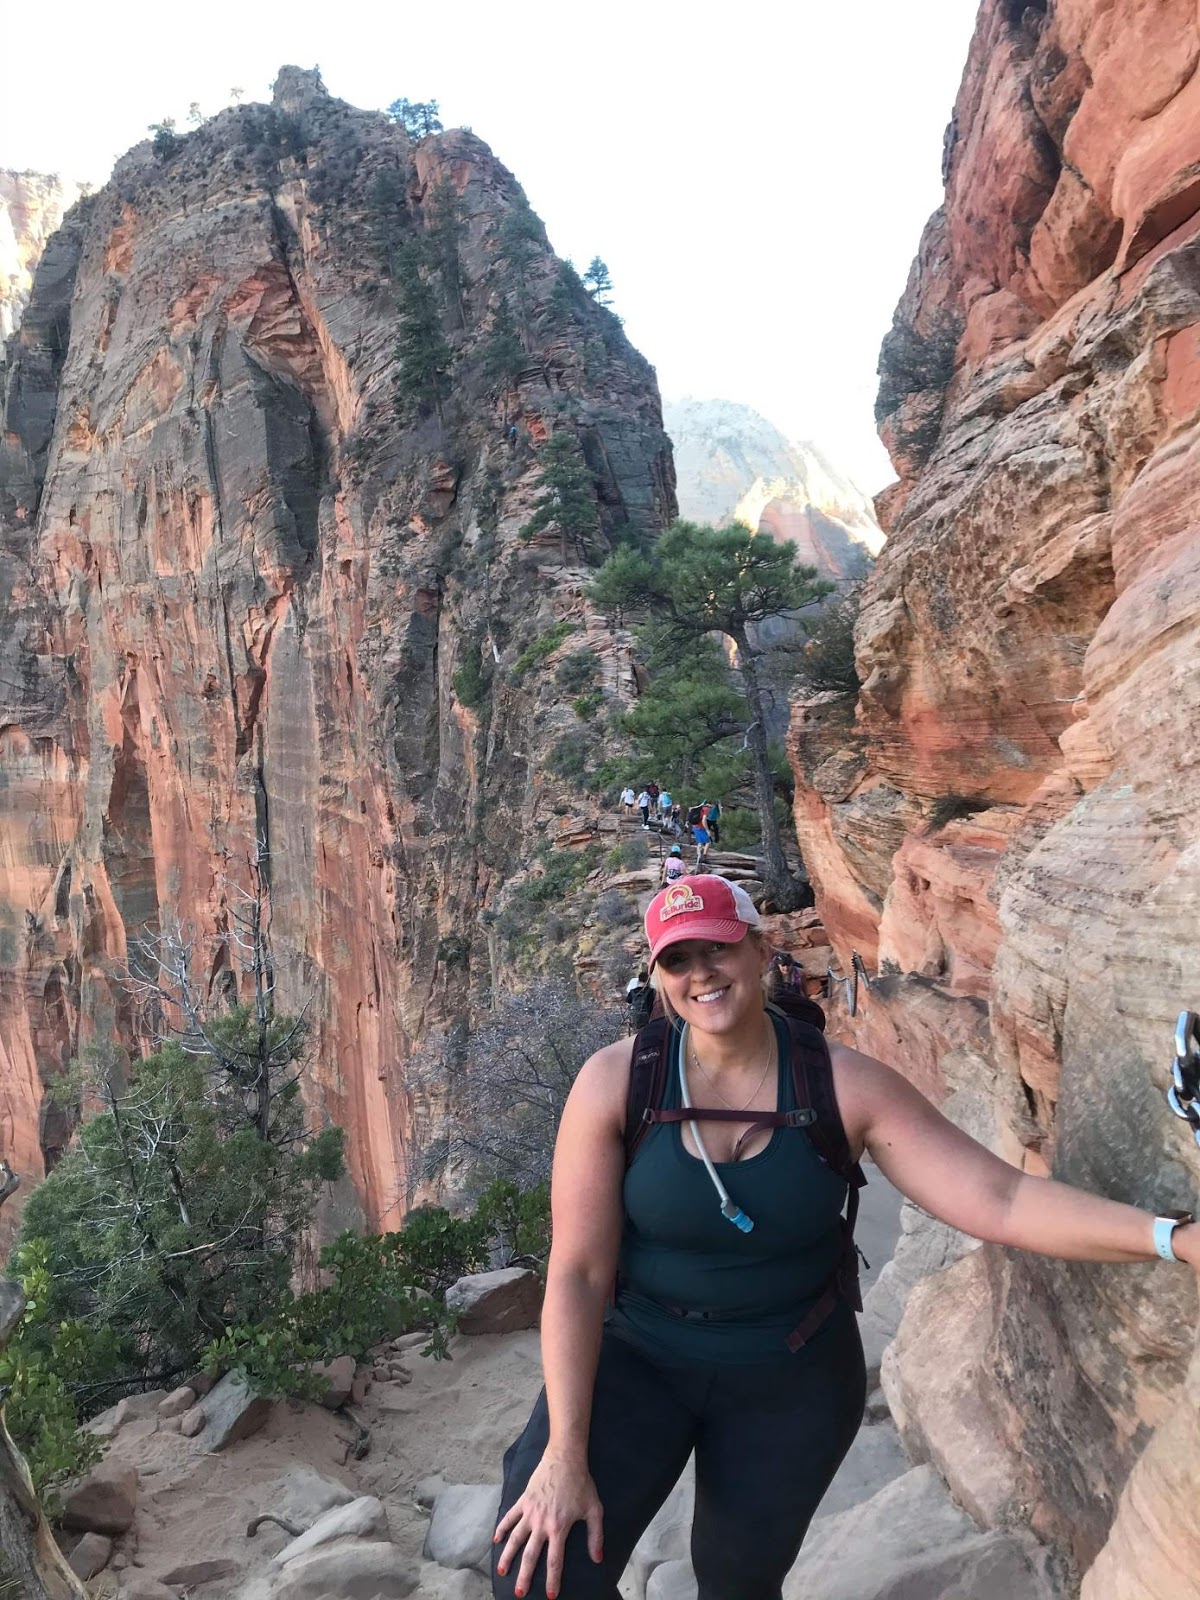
(1164, 1227)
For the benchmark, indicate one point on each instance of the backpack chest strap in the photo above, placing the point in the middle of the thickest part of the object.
(804, 1117)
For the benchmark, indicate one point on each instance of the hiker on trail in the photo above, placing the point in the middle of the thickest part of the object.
(676, 823)
(627, 799)
(653, 791)
(736, 1342)
(712, 819)
(673, 867)
(639, 997)
(643, 801)
(700, 836)
(664, 805)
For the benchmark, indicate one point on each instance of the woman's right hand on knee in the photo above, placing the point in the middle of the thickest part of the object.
(560, 1493)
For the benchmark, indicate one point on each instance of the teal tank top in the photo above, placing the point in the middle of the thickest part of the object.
(691, 1287)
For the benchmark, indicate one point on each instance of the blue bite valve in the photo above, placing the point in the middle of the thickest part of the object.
(737, 1216)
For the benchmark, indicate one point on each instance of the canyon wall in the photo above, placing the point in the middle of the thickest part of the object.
(262, 595)
(1006, 824)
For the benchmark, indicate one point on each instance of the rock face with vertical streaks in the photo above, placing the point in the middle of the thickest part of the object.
(241, 569)
(1005, 824)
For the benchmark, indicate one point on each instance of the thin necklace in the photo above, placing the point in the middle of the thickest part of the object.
(699, 1065)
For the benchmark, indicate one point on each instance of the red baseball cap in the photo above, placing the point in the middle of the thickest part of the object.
(700, 907)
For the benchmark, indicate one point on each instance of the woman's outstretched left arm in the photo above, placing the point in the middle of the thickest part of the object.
(947, 1173)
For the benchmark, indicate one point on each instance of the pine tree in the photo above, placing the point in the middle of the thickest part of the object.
(503, 356)
(566, 497)
(418, 118)
(421, 351)
(597, 282)
(521, 239)
(446, 227)
(699, 580)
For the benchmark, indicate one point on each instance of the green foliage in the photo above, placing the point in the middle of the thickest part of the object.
(691, 709)
(520, 241)
(503, 357)
(487, 500)
(387, 216)
(43, 1357)
(578, 672)
(544, 645)
(586, 706)
(597, 282)
(949, 808)
(471, 684)
(418, 118)
(628, 855)
(166, 140)
(421, 351)
(826, 663)
(516, 1220)
(446, 227)
(566, 497)
(570, 755)
(453, 950)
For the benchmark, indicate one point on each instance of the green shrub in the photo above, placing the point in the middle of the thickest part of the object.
(544, 645)
(470, 684)
(569, 756)
(827, 660)
(630, 854)
(586, 706)
(578, 671)
(517, 1221)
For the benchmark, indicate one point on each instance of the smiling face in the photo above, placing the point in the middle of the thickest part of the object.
(714, 987)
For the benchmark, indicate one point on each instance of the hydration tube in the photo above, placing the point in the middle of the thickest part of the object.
(729, 1208)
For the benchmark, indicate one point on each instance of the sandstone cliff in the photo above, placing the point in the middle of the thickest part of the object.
(254, 591)
(1006, 824)
(32, 205)
(734, 464)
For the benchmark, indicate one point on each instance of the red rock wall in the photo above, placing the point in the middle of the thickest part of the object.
(1007, 822)
(235, 590)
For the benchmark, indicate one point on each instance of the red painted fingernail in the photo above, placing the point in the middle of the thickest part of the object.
(503, 1571)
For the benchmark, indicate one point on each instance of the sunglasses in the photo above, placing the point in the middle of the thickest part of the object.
(676, 960)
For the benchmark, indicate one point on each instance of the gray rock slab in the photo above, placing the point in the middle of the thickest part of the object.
(232, 1411)
(133, 1408)
(504, 1301)
(674, 1580)
(876, 1458)
(461, 1527)
(353, 1570)
(189, 1574)
(363, 1518)
(91, 1555)
(302, 1494)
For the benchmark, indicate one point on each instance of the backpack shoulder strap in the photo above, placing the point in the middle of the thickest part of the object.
(647, 1080)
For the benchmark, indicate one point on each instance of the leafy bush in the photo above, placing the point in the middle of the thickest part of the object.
(586, 706)
(826, 663)
(952, 808)
(570, 755)
(612, 910)
(544, 645)
(578, 671)
(517, 1221)
(470, 683)
(630, 854)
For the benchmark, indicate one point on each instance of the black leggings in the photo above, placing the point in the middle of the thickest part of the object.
(768, 1441)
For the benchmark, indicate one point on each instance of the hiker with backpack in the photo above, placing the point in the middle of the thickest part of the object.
(700, 1292)
(673, 867)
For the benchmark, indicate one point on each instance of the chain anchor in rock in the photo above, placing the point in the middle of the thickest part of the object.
(1183, 1096)
(849, 985)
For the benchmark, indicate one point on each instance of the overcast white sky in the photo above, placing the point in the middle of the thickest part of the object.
(756, 175)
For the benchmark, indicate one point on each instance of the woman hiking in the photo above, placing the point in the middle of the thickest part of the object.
(726, 1340)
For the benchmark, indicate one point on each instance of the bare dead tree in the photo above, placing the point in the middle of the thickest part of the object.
(30, 1560)
(488, 1101)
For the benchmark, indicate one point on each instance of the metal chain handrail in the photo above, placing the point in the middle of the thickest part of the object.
(1183, 1096)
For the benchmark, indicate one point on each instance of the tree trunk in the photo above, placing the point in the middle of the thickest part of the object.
(29, 1556)
(785, 891)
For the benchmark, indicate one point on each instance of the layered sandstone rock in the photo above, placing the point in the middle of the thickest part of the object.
(237, 589)
(1006, 823)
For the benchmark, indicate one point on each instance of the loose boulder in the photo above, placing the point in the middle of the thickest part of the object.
(192, 1422)
(463, 1522)
(91, 1555)
(232, 1411)
(349, 1571)
(302, 1495)
(103, 1502)
(339, 1375)
(363, 1518)
(191, 1573)
(504, 1301)
(177, 1402)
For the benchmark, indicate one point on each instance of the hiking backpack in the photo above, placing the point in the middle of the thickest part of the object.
(816, 1113)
